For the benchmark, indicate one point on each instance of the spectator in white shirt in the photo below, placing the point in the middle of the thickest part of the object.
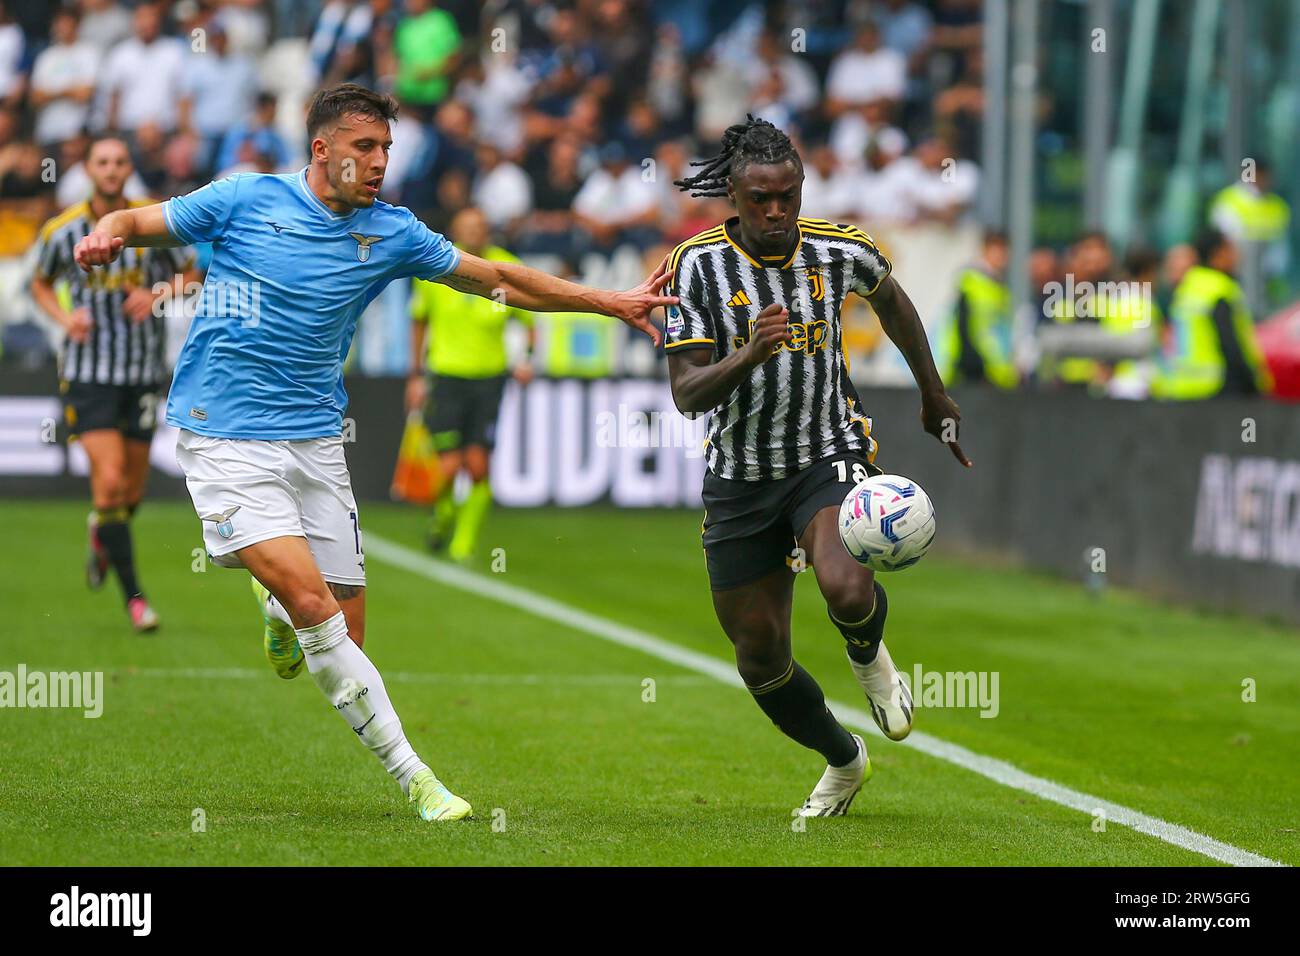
(143, 76)
(63, 82)
(104, 24)
(864, 72)
(501, 189)
(799, 89)
(830, 191)
(12, 46)
(931, 185)
(885, 198)
(857, 130)
(496, 89)
(618, 203)
(945, 186)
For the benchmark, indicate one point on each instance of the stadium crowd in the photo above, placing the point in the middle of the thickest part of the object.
(564, 121)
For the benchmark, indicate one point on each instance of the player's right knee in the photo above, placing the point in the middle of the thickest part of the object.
(762, 657)
(309, 606)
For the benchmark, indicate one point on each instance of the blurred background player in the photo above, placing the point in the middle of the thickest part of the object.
(458, 340)
(756, 340)
(977, 342)
(112, 367)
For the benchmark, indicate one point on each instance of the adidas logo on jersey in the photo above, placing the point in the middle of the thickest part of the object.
(739, 299)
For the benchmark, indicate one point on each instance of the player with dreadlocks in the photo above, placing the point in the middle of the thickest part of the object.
(756, 340)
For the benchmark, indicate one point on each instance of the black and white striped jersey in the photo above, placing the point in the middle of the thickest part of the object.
(117, 350)
(798, 406)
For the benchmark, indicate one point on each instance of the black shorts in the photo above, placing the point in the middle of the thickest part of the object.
(130, 409)
(463, 411)
(750, 527)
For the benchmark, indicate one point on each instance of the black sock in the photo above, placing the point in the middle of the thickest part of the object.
(797, 706)
(115, 535)
(864, 637)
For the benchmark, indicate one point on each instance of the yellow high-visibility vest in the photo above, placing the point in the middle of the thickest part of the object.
(1264, 217)
(1197, 368)
(466, 336)
(988, 328)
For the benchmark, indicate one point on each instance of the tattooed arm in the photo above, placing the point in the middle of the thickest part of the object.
(525, 288)
(898, 317)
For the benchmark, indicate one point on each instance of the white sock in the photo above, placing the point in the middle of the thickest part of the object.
(276, 609)
(352, 684)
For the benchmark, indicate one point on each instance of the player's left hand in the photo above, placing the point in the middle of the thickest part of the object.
(940, 416)
(635, 305)
(522, 373)
(138, 304)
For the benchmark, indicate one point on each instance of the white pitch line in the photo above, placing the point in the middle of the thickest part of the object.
(410, 677)
(999, 771)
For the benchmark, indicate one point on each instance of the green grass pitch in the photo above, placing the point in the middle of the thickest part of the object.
(545, 730)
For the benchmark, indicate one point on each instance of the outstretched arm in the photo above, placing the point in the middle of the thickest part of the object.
(525, 288)
(140, 226)
(939, 413)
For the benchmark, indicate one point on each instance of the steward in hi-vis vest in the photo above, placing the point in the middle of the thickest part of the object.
(977, 341)
(1212, 348)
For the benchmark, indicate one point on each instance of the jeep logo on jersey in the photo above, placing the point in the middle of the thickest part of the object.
(225, 527)
(363, 245)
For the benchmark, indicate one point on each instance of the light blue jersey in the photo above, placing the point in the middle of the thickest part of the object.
(288, 279)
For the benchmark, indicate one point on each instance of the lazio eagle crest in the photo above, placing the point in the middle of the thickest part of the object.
(363, 245)
(225, 527)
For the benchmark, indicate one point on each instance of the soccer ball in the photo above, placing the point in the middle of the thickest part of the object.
(887, 523)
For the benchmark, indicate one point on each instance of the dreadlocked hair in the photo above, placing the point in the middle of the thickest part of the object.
(753, 141)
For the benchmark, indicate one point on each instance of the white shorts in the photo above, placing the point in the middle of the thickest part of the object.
(246, 491)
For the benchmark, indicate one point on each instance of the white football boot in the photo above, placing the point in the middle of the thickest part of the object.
(887, 693)
(838, 786)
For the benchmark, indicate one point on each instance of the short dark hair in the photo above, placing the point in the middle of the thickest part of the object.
(1209, 241)
(1141, 260)
(331, 105)
(108, 136)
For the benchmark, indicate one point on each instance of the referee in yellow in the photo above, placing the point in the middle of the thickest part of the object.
(458, 342)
